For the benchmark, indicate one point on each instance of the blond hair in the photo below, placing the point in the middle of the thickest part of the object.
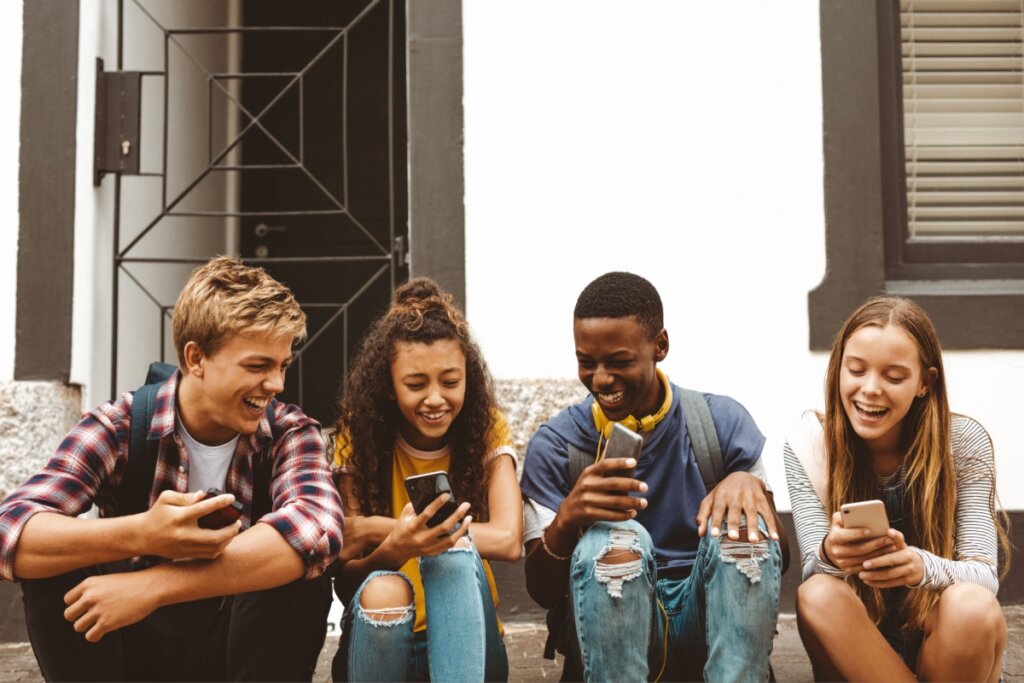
(929, 473)
(225, 297)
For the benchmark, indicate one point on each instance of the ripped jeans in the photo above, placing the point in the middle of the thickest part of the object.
(461, 642)
(717, 624)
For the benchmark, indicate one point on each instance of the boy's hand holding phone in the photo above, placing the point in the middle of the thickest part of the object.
(601, 495)
(171, 527)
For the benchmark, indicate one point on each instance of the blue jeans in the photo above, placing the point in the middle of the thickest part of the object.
(461, 642)
(717, 624)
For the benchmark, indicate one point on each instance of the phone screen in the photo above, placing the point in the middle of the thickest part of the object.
(623, 443)
(423, 489)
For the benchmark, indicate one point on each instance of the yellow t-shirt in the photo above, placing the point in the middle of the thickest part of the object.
(409, 461)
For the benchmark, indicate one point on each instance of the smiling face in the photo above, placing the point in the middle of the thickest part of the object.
(880, 376)
(226, 393)
(429, 381)
(616, 360)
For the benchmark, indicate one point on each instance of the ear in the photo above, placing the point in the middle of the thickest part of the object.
(660, 345)
(194, 360)
(928, 378)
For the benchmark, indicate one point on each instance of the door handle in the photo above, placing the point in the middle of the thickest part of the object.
(262, 229)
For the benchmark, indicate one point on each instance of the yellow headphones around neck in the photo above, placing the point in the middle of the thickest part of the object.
(644, 424)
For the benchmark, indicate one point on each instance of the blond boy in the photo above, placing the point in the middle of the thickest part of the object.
(102, 601)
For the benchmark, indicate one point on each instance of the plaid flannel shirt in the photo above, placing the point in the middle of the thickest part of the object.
(88, 466)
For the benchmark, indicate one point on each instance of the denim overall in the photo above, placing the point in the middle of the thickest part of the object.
(907, 643)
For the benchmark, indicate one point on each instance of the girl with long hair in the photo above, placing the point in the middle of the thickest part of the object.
(420, 601)
(898, 606)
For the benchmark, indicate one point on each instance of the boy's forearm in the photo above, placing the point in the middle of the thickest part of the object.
(547, 579)
(52, 543)
(257, 559)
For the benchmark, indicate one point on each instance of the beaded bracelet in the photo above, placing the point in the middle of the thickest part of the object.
(548, 550)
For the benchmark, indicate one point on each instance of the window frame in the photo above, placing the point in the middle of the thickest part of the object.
(975, 297)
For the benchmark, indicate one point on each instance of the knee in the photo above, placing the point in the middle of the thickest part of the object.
(386, 598)
(970, 608)
(628, 535)
(618, 553)
(818, 598)
(747, 556)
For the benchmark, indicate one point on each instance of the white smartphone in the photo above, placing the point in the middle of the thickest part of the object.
(869, 515)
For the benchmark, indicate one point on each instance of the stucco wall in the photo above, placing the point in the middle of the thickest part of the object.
(681, 141)
(34, 417)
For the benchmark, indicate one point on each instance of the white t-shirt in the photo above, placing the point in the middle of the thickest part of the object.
(208, 465)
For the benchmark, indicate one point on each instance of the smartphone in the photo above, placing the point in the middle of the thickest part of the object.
(869, 514)
(623, 443)
(424, 489)
(218, 519)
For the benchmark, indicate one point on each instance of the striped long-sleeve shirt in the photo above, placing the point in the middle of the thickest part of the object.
(974, 553)
(89, 464)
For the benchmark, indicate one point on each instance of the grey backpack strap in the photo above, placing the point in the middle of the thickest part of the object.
(578, 461)
(703, 437)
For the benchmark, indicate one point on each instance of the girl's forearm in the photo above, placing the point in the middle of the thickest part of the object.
(496, 542)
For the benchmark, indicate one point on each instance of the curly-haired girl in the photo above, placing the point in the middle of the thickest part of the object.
(419, 600)
(894, 606)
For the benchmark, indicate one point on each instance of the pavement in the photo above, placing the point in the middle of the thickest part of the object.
(524, 641)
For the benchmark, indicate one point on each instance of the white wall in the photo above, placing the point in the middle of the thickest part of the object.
(139, 338)
(10, 136)
(681, 141)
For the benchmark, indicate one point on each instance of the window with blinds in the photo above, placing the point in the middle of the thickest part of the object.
(963, 105)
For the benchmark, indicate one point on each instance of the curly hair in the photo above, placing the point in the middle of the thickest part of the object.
(420, 312)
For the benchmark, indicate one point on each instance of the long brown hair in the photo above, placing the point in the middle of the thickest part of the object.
(420, 312)
(928, 471)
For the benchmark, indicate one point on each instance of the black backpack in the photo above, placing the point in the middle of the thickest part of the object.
(132, 494)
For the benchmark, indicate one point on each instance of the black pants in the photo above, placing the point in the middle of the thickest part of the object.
(272, 635)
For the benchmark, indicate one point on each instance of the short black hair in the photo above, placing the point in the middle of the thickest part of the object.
(622, 295)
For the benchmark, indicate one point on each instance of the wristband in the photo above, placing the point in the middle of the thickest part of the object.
(824, 554)
(549, 551)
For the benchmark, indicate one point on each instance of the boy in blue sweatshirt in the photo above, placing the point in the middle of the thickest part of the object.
(668, 582)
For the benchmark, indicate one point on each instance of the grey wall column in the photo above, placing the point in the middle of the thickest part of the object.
(46, 190)
(436, 185)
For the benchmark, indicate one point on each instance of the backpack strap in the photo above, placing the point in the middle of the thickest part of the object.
(578, 461)
(132, 494)
(703, 437)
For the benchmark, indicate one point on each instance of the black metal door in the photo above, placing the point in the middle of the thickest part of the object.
(305, 158)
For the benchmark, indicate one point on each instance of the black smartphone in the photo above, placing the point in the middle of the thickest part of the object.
(220, 518)
(423, 489)
(623, 443)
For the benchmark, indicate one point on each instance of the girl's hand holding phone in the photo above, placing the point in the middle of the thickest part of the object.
(899, 567)
(411, 536)
(848, 549)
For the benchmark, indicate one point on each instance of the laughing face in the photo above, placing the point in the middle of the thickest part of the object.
(226, 393)
(616, 359)
(429, 382)
(880, 377)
